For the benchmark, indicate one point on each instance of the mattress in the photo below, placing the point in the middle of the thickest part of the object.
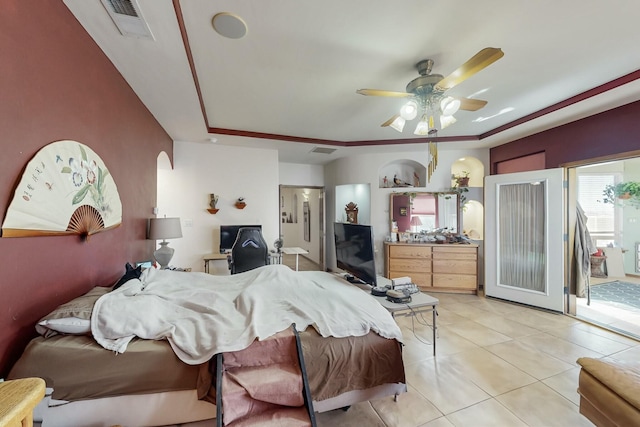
(77, 368)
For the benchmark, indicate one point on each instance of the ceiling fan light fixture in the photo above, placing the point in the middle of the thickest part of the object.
(409, 111)
(423, 126)
(449, 106)
(398, 124)
(446, 121)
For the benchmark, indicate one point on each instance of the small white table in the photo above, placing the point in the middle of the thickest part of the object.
(420, 303)
(294, 251)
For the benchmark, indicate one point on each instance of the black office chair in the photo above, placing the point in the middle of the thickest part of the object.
(249, 251)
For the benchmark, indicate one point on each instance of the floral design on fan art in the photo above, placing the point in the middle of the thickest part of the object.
(89, 178)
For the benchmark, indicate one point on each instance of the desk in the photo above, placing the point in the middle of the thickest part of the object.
(17, 400)
(294, 251)
(212, 257)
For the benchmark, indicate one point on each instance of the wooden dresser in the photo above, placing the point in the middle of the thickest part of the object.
(434, 267)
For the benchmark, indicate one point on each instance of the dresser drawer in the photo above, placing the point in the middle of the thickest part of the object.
(457, 281)
(455, 266)
(402, 264)
(408, 251)
(455, 252)
(423, 280)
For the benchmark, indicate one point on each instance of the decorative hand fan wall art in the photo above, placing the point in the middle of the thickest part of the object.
(65, 189)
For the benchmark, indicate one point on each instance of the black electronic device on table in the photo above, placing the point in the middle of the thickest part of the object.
(228, 234)
(354, 251)
(398, 296)
(379, 291)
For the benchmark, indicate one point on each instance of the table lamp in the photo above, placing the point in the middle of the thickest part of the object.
(415, 222)
(164, 228)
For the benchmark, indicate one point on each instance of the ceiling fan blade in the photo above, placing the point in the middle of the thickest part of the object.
(478, 62)
(378, 92)
(470, 104)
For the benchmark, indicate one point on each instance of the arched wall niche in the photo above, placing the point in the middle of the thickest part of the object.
(473, 166)
(473, 220)
(408, 171)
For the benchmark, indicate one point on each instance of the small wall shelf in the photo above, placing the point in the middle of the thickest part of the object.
(213, 211)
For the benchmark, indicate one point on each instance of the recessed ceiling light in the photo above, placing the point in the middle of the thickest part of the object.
(229, 25)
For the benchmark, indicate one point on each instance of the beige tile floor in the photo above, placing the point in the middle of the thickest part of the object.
(497, 364)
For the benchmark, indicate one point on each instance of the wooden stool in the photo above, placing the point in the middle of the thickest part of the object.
(17, 400)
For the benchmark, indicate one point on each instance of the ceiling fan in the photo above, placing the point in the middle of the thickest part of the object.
(427, 94)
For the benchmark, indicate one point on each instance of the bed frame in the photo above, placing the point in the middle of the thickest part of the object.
(173, 407)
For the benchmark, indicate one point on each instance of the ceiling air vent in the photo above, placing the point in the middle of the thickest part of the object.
(323, 150)
(128, 18)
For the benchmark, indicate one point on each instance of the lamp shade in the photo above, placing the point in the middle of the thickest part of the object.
(409, 111)
(164, 228)
(415, 222)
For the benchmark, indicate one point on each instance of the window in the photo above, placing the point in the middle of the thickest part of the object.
(601, 217)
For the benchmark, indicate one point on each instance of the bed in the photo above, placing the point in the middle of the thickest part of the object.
(146, 357)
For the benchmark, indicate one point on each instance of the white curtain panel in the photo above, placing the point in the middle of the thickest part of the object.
(522, 236)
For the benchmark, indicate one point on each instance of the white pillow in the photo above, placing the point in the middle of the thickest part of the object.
(71, 316)
(67, 325)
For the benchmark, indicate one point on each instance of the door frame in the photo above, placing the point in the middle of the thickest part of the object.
(571, 203)
(321, 218)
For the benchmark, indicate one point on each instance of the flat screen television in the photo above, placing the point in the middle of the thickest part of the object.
(354, 251)
(228, 234)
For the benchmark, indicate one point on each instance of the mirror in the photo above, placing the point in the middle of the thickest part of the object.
(425, 211)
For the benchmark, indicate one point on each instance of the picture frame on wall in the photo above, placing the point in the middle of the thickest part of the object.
(307, 222)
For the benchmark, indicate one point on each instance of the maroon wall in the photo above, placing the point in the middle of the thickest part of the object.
(609, 133)
(55, 84)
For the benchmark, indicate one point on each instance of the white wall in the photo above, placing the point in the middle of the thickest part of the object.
(301, 175)
(230, 172)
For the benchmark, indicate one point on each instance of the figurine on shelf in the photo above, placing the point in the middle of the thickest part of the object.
(416, 179)
(397, 182)
(213, 202)
(385, 182)
(240, 203)
(352, 213)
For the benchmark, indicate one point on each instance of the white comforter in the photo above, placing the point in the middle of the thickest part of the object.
(201, 315)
